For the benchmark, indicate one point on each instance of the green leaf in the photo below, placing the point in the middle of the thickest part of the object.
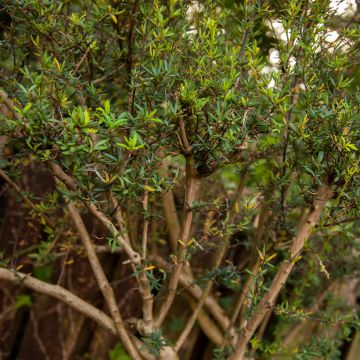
(107, 106)
(23, 300)
(118, 353)
(27, 108)
(86, 117)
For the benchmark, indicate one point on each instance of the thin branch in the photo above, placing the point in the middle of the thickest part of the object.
(186, 332)
(190, 194)
(324, 195)
(72, 185)
(25, 198)
(146, 224)
(81, 60)
(188, 282)
(102, 281)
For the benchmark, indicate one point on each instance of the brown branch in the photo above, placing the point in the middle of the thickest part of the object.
(103, 282)
(295, 331)
(209, 284)
(146, 224)
(119, 217)
(190, 194)
(184, 141)
(188, 282)
(239, 305)
(323, 196)
(171, 218)
(169, 210)
(58, 292)
(81, 61)
(72, 185)
(25, 198)
(6, 100)
(207, 325)
(186, 332)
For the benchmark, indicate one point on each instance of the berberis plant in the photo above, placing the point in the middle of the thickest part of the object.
(201, 157)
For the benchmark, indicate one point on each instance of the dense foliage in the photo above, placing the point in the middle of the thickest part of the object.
(219, 155)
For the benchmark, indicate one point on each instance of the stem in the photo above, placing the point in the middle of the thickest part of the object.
(190, 194)
(146, 224)
(103, 282)
(134, 257)
(324, 195)
(185, 333)
(25, 198)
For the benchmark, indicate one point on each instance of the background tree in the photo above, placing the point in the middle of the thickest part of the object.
(183, 175)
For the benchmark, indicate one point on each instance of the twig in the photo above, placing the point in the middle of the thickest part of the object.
(24, 197)
(81, 61)
(146, 224)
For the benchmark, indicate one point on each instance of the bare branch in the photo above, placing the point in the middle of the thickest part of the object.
(190, 194)
(58, 292)
(103, 282)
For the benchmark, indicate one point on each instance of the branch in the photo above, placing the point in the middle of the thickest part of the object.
(72, 185)
(58, 292)
(146, 224)
(170, 213)
(171, 218)
(102, 281)
(135, 259)
(190, 194)
(25, 198)
(186, 332)
(324, 195)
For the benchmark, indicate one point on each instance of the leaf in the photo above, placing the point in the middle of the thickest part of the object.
(86, 117)
(27, 108)
(118, 353)
(56, 62)
(23, 300)
(271, 257)
(261, 255)
(149, 188)
(114, 18)
(107, 106)
(91, 131)
(43, 272)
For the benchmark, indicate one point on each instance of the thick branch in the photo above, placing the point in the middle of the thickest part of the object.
(171, 218)
(61, 294)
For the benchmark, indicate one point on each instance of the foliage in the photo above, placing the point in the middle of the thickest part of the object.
(205, 102)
